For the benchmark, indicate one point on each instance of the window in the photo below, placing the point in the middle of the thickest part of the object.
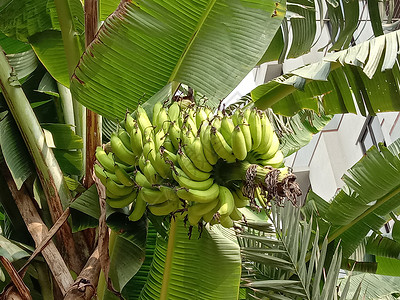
(371, 134)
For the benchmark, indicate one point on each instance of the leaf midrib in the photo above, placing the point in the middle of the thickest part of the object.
(192, 39)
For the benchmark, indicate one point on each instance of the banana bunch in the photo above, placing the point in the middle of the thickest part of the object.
(171, 163)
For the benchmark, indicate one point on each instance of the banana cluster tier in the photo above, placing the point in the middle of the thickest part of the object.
(194, 164)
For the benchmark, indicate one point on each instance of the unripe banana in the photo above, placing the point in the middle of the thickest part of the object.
(200, 209)
(169, 146)
(104, 160)
(211, 156)
(199, 196)
(103, 174)
(168, 155)
(236, 215)
(208, 217)
(255, 128)
(143, 121)
(164, 208)
(156, 110)
(240, 200)
(136, 140)
(245, 127)
(186, 182)
(226, 221)
(150, 173)
(125, 138)
(226, 201)
(161, 166)
(193, 219)
(159, 138)
(267, 135)
(187, 137)
(152, 196)
(117, 189)
(275, 162)
(169, 193)
(111, 195)
(227, 129)
(149, 149)
(122, 201)
(129, 122)
(123, 176)
(173, 112)
(195, 153)
(162, 120)
(221, 147)
(201, 116)
(236, 116)
(272, 149)
(139, 209)
(175, 134)
(239, 144)
(120, 151)
(189, 168)
(142, 181)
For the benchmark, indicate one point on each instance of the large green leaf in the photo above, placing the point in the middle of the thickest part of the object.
(275, 256)
(370, 193)
(14, 151)
(12, 46)
(201, 268)
(210, 45)
(359, 78)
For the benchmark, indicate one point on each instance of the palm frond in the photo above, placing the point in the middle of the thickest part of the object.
(282, 259)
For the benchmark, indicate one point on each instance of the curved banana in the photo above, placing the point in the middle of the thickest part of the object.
(152, 196)
(240, 200)
(236, 215)
(200, 209)
(117, 189)
(129, 122)
(193, 219)
(255, 128)
(123, 176)
(208, 217)
(156, 110)
(195, 153)
(169, 193)
(164, 208)
(136, 140)
(125, 138)
(190, 169)
(271, 151)
(142, 181)
(120, 151)
(104, 159)
(275, 162)
(103, 174)
(211, 156)
(122, 201)
(143, 121)
(163, 121)
(199, 196)
(139, 209)
(150, 173)
(201, 116)
(267, 135)
(184, 181)
(159, 138)
(226, 201)
(173, 112)
(239, 144)
(245, 127)
(175, 134)
(226, 221)
(221, 147)
(226, 129)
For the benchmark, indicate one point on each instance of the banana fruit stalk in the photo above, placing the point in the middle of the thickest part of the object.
(189, 162)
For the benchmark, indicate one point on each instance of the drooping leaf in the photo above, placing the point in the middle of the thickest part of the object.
(63, 136)
(14, 151)
(12, 46)
(48, 85)
(70, 161)
(88, 202)
(210, 46)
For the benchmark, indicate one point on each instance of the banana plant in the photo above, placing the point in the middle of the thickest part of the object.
(142, 53)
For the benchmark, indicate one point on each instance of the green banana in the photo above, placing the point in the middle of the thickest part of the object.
(255, 128)
(226, 129)
(143, 121)
(226, 221)
(103, 174)
(173, 112)
(199, 196)
(125, 138)
(122, 201)
(156, 110)
(211, 156)
(136, 140)
(226, 201)
(117, 189)
(129, 122)
(195, 153)
(201, 116)
(239, 144)
(164, 208)
(104, 160)
(169, 193)
(236, 215)
(240, 200)
(193, 219)
(163, 120)
(175, 134)
(275, 162)
(123, 176)
(150, 173)
(142, 181)
(139, 209)
(120, 151)
(272, 149)
(208, 217)
(221, 147)
(245, 127)
(267, 135)
(189, 168)
(200, 209)
(159, 138)
(184, 181)
(152, 196)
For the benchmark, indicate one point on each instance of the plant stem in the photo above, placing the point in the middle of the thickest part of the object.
(66, 104)
(49, 172)
(102, 285)
(93, 120)
(168, 260)
(44, 280)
